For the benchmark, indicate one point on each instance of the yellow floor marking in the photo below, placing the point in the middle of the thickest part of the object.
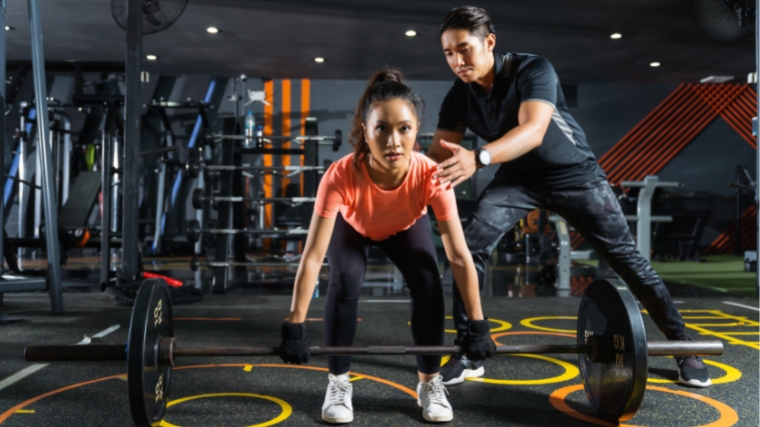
(528, 323)
(122, 377)
(356, 378)
(25, 411)
(248, 368)
(286, 408)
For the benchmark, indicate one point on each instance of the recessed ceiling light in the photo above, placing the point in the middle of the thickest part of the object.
(151, 57)
(654, 64)
(319, 59)
(212, 30)
(410, 33)
(7, 28)
(616, 36)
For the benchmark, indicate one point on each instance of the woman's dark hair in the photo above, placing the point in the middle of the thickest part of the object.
(470, 18)
(384, 85)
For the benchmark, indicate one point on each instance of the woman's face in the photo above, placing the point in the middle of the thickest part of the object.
(391, 131)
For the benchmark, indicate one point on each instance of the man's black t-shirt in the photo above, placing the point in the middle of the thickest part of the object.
(563, 159)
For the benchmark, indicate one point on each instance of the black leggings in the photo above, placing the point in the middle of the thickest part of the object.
(413, 252)
(594, 211)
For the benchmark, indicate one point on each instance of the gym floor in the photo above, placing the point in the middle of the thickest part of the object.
(519, 390)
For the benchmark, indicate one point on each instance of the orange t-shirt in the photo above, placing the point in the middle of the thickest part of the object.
(377, 213)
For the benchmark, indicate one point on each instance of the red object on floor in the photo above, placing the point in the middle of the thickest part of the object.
(174, 283)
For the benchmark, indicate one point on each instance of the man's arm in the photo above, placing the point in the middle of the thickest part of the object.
(533, 118)
(436, 151)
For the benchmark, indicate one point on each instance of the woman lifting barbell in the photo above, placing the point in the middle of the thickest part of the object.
(378, 195)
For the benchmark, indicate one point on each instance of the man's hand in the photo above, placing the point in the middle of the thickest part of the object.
(458, 168)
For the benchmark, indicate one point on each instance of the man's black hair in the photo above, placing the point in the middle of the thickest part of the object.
(470, 18)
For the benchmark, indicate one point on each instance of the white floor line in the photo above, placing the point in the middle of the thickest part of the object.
(20, 375)
(388, 300)
(29, 370)
(741, 305)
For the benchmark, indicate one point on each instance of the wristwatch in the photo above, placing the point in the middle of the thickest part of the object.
(482, 157)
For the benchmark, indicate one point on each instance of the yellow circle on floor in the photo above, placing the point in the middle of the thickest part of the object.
(286, 408)
(528, 323)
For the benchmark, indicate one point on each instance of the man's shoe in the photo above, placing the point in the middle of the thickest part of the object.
(431, 396)
(692, 372)
(459, 367)
(337, 408)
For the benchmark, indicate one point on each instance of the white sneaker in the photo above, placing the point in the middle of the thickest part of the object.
(431, 396)
(337, 408)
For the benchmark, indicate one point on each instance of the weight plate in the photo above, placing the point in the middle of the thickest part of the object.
(198, 198)
(148, 382)
(193, 230)
(616, 387)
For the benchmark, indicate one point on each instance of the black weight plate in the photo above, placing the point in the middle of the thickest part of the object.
(615, 388)
(198, 198)
(148, 382)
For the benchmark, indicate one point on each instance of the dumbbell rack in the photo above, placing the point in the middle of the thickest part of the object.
(225, 253)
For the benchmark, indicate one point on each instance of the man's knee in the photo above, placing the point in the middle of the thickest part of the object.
(480, 236)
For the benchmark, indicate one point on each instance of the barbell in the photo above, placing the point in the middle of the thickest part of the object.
(611, 344)
(195, 166)
(194, 231)
(195, 264)
(335, 141)
(198, 198)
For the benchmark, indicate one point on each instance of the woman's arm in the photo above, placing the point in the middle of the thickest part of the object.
(317, 241)
(462, 266)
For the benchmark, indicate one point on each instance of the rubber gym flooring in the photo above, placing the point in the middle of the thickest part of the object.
(518, 391)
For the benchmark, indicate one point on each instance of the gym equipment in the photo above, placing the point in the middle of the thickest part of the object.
(195, 264)
(198, 199)
(644, 217)
(194, 231)
(195, 167)
(611, 346)
(334, 141)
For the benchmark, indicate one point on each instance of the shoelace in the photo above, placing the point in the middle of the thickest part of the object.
(338, 390)
(435, 392)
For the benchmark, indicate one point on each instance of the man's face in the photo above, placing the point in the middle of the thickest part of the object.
(468, 56)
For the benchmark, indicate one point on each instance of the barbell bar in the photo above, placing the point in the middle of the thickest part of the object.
(611, 345)
(194, 231)
(198, 198)
(195, 264)
(335, 141)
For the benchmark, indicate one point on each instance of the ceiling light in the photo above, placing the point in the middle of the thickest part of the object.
(616, 36)
(151, 57)
(7, 28)
(212, 30)
(319, 59)
(410, 33)
(717, 79)
(654, 64)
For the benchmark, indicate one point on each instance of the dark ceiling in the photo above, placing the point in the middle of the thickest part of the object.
(280, 38)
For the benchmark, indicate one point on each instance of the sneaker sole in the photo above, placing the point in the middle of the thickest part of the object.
(694, 383)
(343, 420)
(439, 419)
(467, 373)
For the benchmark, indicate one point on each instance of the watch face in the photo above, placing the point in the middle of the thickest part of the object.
(484, 157)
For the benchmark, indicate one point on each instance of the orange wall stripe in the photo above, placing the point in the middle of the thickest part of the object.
(664, 132)
(285, 110)
(305, 105)
(660, 122)
(267, 158)
(610, 156)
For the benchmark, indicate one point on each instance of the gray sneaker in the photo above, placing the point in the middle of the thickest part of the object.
(692, 372)
(459, 367)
